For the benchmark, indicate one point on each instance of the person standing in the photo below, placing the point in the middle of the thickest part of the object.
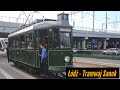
(44, 59)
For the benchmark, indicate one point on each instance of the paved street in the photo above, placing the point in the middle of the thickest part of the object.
(10, 71)
(2, 53)
(93, 62)
(107, 62)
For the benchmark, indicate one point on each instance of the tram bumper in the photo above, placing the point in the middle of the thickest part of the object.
(59, 68)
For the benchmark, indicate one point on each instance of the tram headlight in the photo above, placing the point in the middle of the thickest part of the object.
(67, 58)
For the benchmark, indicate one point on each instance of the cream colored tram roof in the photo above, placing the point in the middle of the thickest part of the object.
(41, 25)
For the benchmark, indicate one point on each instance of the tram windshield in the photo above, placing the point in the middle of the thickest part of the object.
(65, 38)
(53, 38)
(61, 39)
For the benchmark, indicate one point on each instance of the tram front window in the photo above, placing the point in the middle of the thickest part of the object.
(53, 38)
(65, 38)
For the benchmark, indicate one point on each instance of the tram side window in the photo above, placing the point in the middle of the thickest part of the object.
(17, 42)
(29, 41)
(22, 41)
(10, 42)
(41, 37)
(13, 43)
(36, 38)
(53, 35)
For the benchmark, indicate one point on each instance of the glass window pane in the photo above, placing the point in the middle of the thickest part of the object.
(22, 41)
(29, 41)
(53, 35)
(65, 40)
(17, 41)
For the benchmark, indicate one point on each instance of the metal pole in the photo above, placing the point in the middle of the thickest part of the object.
(106, 21)
(93, 20)
(116, 21)
(82, 18)
(73, 23)
(71, 15)
(102, 27)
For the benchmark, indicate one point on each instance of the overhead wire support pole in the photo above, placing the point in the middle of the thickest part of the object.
(106, 21)
(116, 21)
(82, 18)
(102, 27)
(93, 19)
(71, 15)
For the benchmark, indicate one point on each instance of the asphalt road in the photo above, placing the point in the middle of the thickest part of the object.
(108, 62)
(99, 54)
(93, 62)
(105, 61)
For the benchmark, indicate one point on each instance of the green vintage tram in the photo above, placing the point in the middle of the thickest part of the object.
(24, 45)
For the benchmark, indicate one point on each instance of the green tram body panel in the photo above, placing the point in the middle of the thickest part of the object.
(23, 56)
(56, 62)
(26, 56)
(56, 57)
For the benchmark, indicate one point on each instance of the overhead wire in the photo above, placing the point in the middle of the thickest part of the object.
(9, 22)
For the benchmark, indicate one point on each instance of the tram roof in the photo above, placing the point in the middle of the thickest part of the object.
(41, 25)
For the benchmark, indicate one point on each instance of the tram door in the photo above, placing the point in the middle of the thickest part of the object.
(41, 37)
